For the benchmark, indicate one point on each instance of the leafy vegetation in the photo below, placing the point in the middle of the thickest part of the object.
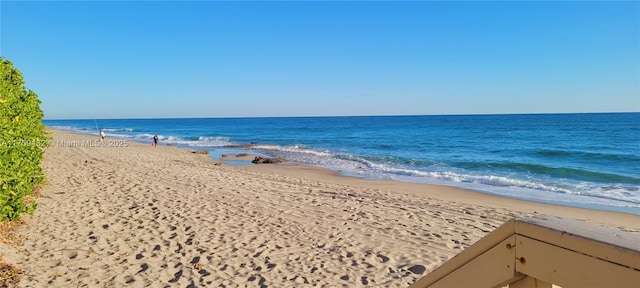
(22, 142)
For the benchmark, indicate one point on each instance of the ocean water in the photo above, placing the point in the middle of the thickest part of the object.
(582, 160)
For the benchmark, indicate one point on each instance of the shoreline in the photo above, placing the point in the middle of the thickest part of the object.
(218, 152)
(135, 215)
(450, 193)
(291, 167)
(593, 207)
(444, 192)
(498, 184)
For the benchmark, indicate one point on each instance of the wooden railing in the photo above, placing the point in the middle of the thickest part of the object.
(544, 251)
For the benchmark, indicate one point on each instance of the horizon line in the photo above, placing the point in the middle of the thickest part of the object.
(344, 116)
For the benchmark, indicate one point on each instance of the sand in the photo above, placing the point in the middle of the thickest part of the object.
(128, 214)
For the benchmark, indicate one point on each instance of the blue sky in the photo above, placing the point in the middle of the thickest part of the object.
(234, 59)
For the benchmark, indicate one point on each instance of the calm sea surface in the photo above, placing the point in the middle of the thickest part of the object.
(584, 160)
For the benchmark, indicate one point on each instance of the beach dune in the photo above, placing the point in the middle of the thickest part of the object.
(128, 214)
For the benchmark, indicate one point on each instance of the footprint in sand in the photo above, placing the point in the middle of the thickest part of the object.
(71, 254)
(143, 267)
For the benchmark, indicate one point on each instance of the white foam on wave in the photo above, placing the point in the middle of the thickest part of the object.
(299, 149)
(208, 142)
(202, 141)
(66, 128)
(145, 136)
(592, 193)
(215, 139)
(117, 129)
(73, 129)
(493, 180)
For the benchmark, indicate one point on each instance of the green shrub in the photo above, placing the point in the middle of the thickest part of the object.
(22, 142)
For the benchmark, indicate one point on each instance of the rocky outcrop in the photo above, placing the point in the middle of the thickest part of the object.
(265, 160)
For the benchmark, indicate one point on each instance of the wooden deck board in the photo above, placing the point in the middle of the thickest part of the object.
(567, 268)
(604, 243)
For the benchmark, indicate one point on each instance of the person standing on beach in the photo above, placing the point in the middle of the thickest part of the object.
(102, 134)
(155, 140)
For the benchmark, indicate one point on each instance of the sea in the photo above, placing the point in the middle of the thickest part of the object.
(580, 160)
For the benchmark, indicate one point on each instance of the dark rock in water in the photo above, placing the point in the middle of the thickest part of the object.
(241, 146)
(242, 155)
(417, 269)
(265, 160)
(200, 152)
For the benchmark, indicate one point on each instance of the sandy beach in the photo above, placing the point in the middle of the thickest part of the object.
(119, 214)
